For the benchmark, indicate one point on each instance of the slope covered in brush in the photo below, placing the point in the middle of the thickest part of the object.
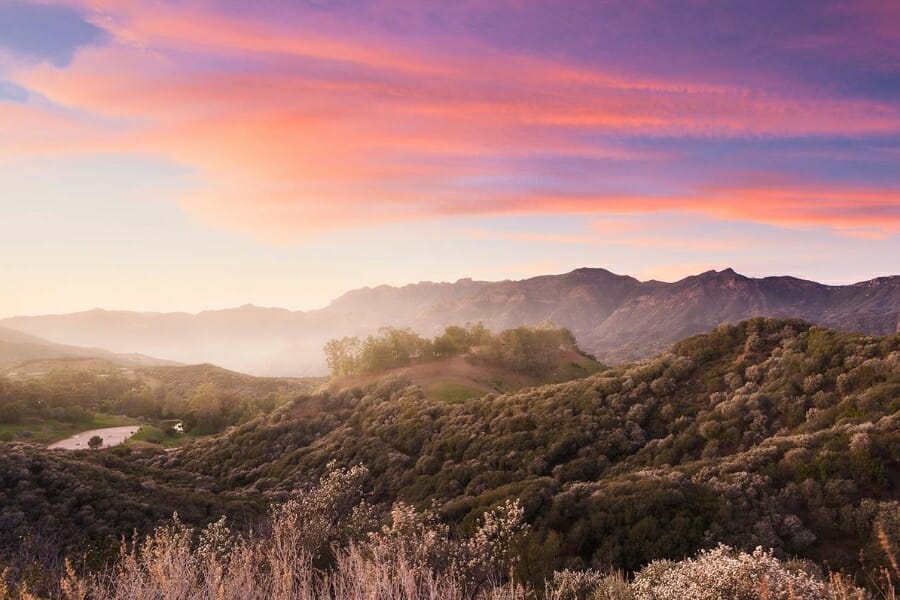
(772, 433)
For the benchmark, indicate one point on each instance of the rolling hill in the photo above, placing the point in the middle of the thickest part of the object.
(459, 378)
(24, 354)
(770, 432)
(616, 318)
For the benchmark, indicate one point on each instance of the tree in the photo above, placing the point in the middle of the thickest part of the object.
(11, 414)
(342, 355)
(211, 409)
(393, 348)
(454, 340)
(95, 442)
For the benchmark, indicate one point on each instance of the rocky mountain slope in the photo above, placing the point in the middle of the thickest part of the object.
(616, 318)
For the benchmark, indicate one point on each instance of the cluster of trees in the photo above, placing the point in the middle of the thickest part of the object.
(210, 409)
(206, 398)
(525, 349)
(73, 396)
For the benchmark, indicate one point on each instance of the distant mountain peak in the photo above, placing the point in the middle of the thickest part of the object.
(598, 273)
(725, 271)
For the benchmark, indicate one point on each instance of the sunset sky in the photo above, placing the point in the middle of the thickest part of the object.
(182, 155)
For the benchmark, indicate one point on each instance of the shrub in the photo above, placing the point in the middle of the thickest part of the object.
(727, 574)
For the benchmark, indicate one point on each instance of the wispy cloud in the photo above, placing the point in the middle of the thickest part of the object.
(320, 123)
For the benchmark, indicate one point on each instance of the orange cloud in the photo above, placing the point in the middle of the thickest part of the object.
(844, 210)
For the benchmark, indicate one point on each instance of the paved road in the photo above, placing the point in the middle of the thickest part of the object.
(112, 436)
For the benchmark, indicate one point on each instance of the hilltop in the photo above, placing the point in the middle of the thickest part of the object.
(615, 317)
(460, 363)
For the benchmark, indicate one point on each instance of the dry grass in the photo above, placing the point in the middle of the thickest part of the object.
(326, 544)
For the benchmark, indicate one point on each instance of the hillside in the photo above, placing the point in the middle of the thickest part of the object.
(771, 433)
(460, 378)
(616, 318)
(183, 381)
(50, 399)
(84, 502)
(24, 353)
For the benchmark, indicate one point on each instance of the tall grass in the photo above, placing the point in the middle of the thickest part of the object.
(326, 543)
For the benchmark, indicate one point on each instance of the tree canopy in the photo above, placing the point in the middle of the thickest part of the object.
(525, 349)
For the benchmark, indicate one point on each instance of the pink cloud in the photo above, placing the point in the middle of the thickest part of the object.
(662, 239)
(296, 145)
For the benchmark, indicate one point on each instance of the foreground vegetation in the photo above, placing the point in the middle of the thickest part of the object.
(768, 433)
(328, 542)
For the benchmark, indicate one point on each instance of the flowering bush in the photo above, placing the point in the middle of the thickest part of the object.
(726, 574)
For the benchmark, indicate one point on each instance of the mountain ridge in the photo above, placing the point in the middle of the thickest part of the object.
(615, 317)
(18, 348)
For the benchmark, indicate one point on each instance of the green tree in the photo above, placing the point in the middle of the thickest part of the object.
(393, 348)
(343, 355)
(211, 409)
(12, 413)
(454, 341)
(95, 442)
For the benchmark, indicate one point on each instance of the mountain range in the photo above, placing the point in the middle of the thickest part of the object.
(617, 318)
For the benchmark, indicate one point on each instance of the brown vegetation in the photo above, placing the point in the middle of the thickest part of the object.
(327, 543)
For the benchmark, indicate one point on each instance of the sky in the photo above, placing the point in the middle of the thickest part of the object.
(197, 154)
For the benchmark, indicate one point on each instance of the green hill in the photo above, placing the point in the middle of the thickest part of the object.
(59, 397)
(24, 355)
(772, 433)
(461, 362)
